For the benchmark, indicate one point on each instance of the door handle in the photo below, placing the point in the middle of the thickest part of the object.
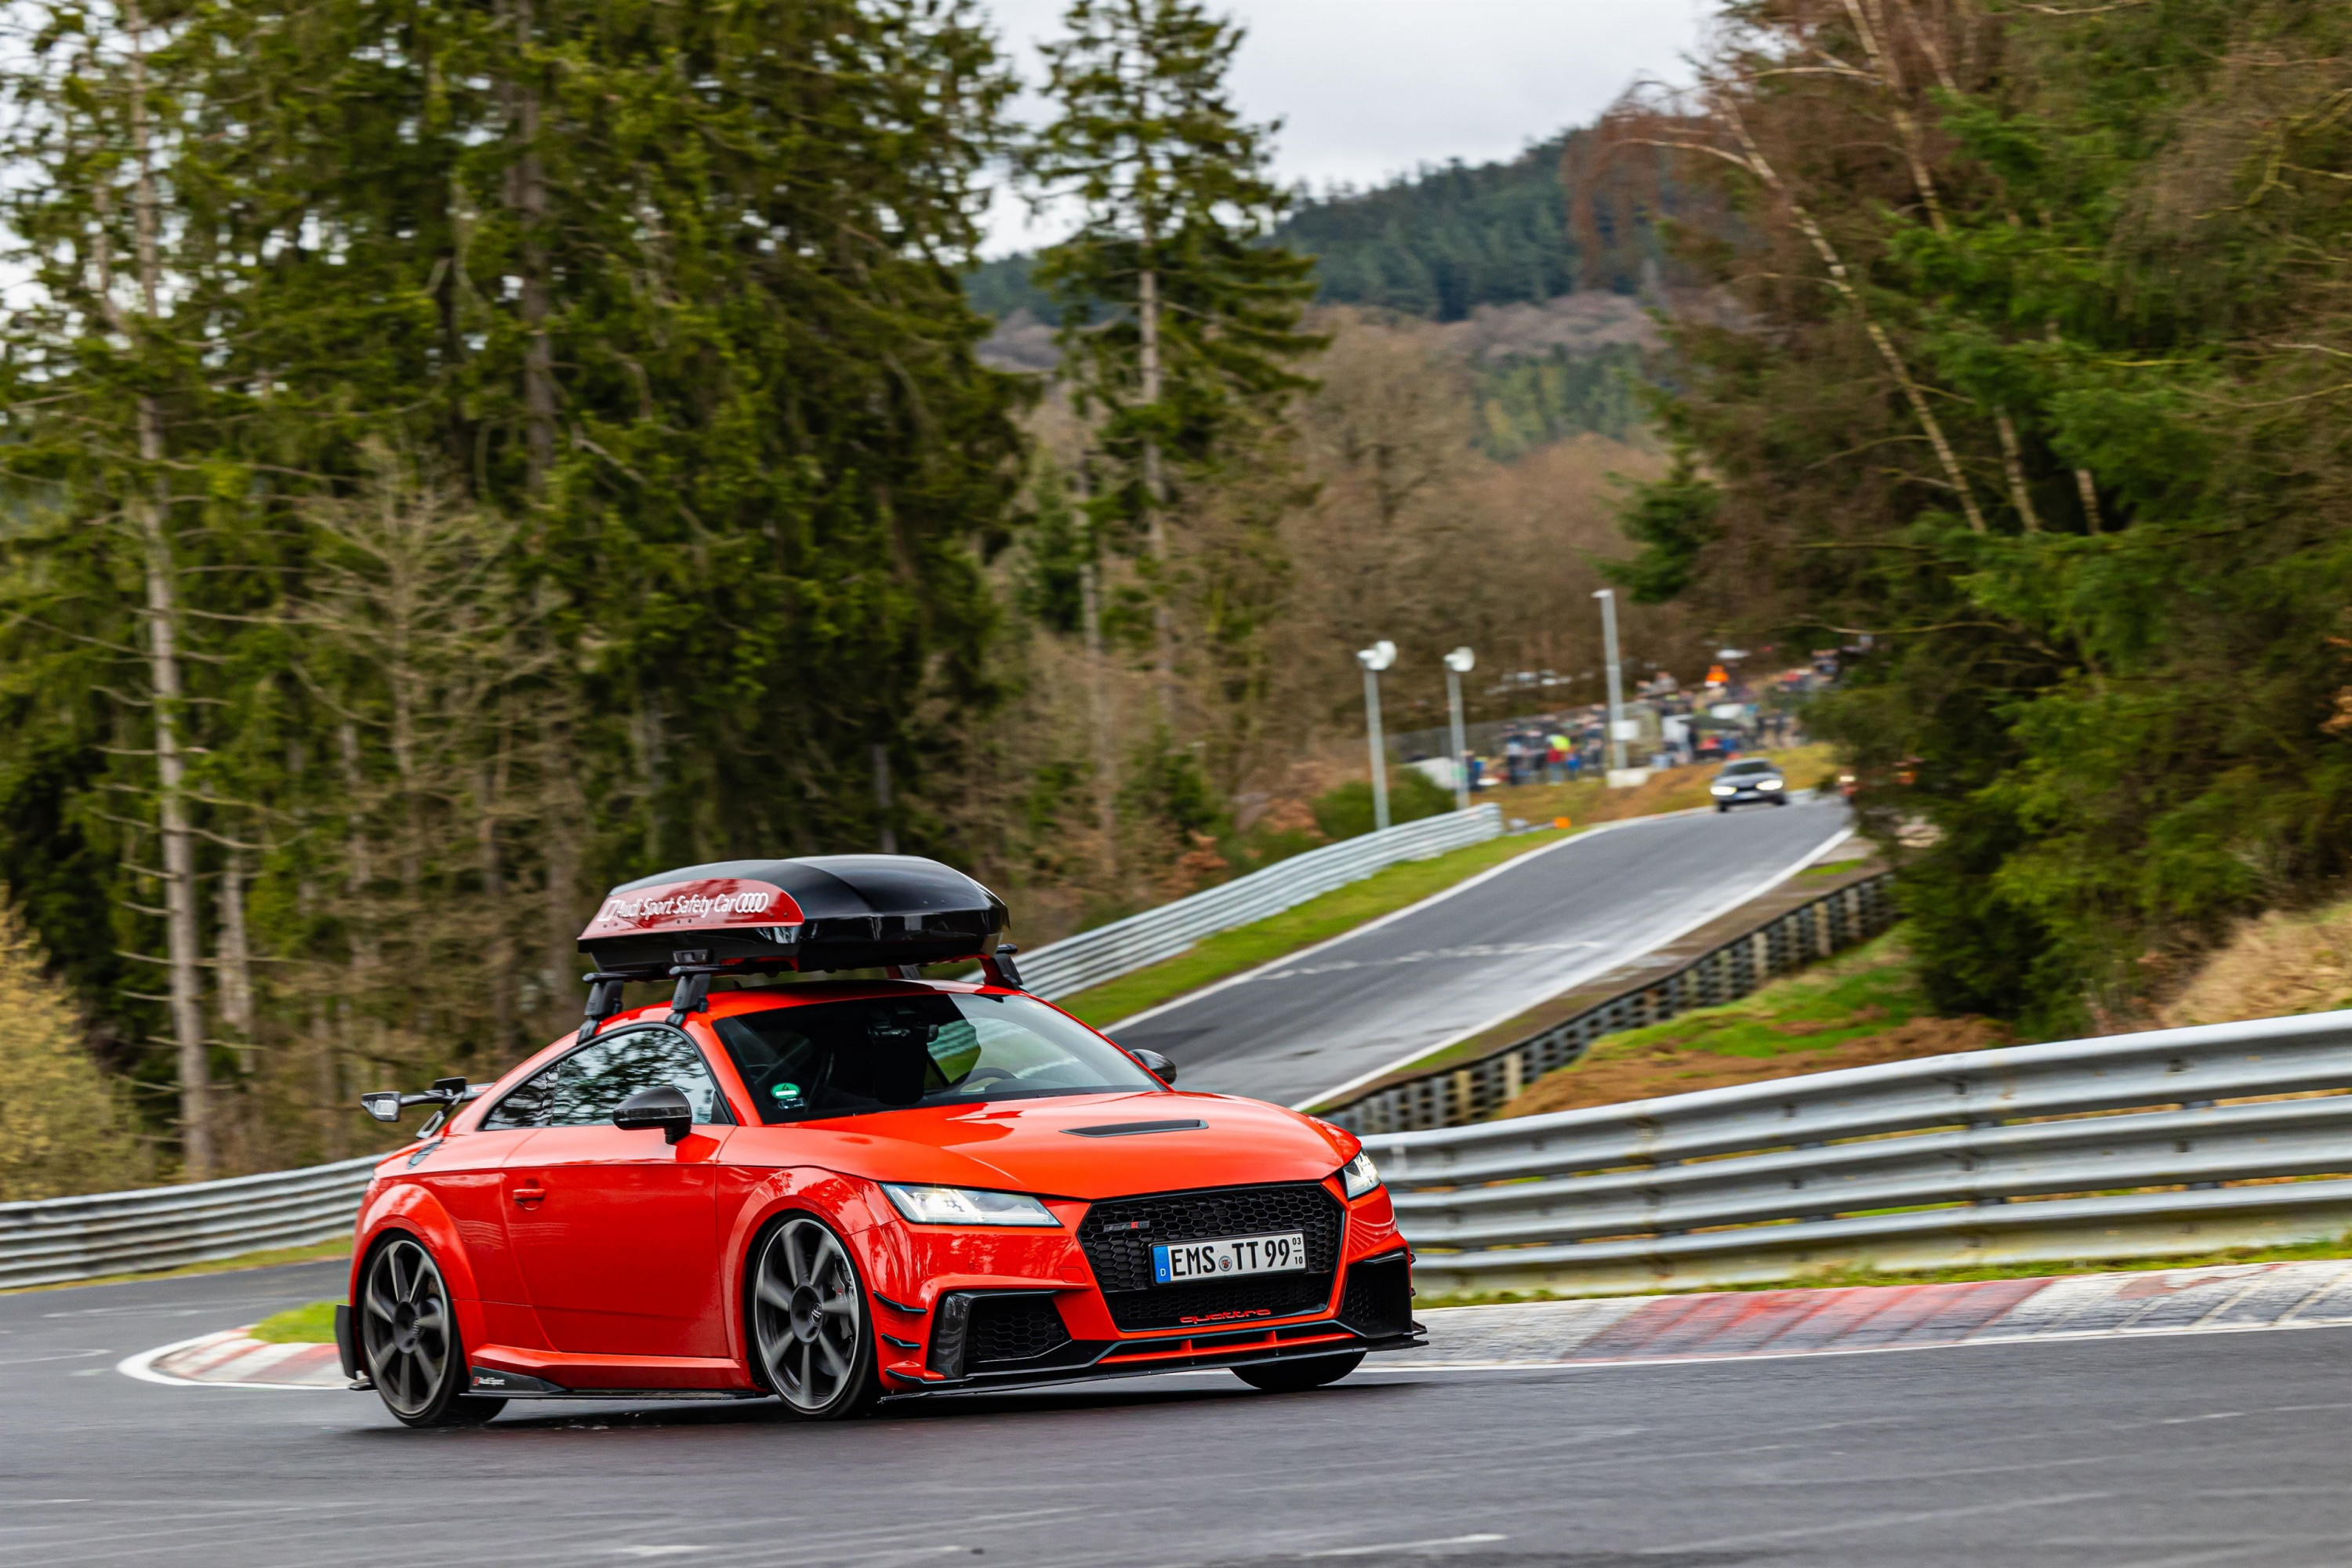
(528, 1196)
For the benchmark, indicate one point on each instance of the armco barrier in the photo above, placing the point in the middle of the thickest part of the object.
(2130, 1145)
(50, 1240)
(1105, 953)
(1462, 1092)
(2137, 1144)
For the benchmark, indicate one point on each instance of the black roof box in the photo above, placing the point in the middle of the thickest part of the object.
(826, 911)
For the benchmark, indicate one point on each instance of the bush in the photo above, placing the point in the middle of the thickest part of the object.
(63, 1126)
(1346, 812)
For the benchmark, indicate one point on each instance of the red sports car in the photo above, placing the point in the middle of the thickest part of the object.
(834, 1192)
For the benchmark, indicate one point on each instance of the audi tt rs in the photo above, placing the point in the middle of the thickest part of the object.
(835, 1192)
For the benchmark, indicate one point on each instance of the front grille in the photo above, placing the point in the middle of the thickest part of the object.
(1118, 1235)
(1012, 1329)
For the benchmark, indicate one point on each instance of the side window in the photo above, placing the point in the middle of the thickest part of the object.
(598, 1077)
(526, 1104)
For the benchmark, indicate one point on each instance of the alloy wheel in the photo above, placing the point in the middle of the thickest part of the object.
(405, 1330)
(808, 1319)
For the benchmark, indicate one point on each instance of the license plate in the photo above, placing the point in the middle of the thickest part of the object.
(1177, 1261)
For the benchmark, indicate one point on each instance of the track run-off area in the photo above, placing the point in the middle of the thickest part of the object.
(2153, 1420)
(1342, 1012)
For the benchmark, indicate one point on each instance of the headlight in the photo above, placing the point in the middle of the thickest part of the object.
(966, 1205)
(1767, 784)
(1358, 1175)
(1727, 789)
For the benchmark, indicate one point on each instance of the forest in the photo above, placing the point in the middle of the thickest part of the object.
(2031, 393)
(459, 460)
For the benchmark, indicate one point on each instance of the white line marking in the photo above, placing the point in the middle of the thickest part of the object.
(1405, 1545)
(1713, 911)
(1350, 934)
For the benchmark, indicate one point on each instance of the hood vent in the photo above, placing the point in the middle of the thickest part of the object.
(1135, 1129)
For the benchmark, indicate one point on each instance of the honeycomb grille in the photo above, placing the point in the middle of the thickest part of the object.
(1378, 1298)
(1118, 1235)
(1012, 1329)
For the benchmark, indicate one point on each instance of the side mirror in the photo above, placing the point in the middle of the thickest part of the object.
(1159, 1067)
(664, 1106)
(383, 1104)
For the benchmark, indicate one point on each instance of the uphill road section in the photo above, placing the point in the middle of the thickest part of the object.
(1342, 1013)
(2109, 1452)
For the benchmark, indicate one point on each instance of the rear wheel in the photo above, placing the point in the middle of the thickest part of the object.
(809, 1323)
(408, 1338)
(1298, 1376)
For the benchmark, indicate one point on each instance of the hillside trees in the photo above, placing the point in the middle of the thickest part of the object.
(2035, 402)
(568, 460)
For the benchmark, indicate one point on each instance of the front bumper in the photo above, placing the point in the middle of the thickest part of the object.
(1083, 1311)
(966, 1352)
(1294, 1342)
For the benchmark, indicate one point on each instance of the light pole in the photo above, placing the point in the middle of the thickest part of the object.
(1608, 598)
(1459, 664)
(1374, 660)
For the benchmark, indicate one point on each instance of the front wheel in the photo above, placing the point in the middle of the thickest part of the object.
(408, 1338)
(809, 1323)
(1720, 809)
(1298, 1376)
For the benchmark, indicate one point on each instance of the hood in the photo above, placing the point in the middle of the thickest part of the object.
(1035, 1146)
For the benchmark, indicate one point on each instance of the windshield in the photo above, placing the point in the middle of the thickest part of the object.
(1747, 767)
(886, 1053)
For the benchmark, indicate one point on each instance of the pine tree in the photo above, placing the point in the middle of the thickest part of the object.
(1180, 321)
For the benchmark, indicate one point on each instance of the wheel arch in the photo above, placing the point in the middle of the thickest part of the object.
(410, 1209)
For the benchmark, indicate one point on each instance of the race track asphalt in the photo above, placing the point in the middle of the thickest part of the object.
(2158, 1453)
(1295, 1030)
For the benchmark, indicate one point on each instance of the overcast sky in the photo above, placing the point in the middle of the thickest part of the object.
(1367, 88)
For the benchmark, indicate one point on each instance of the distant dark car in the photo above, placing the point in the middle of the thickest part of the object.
(1750, 780)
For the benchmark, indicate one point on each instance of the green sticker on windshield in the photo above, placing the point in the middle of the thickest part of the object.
(786, 1091)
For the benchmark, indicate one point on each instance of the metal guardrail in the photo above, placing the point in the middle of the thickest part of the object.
(48, 1241)
(2136, 1144)
(1463, 1092)
(1105, 953)
(2100, 1148)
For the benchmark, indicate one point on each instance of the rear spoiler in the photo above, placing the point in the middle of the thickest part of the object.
(449, 1093)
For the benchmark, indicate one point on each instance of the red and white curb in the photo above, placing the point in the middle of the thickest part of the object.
(1635, 1330)
(234, 1360)
(1731, 1324)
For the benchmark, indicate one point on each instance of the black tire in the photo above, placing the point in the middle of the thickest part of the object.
(809, 1327)
(1780, 800)
(1720, 809)
(1298, 1377)
(409, 1341)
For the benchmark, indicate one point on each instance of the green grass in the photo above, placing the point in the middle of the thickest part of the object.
(311, 1325)
(1868, 991)
(1831, 868)
(1230, 952)
(268, 1258)
(1863, 1274)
